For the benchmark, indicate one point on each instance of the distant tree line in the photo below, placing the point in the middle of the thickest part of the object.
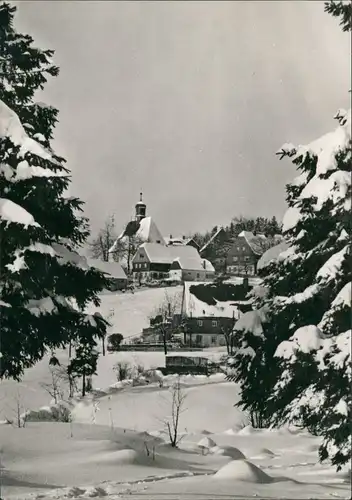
(262, 225)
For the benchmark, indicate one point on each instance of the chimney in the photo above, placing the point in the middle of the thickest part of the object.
(170, 236)
(183, 237)
(204, 264)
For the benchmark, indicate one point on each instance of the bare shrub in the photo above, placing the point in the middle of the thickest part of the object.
(178, 397)
(123, 370)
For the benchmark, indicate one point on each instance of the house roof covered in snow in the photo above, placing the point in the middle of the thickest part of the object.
(178, 240)
(112, 268)
(257, 242)
(187, 255)
(212, 238)
(272, 254)
(196, 308)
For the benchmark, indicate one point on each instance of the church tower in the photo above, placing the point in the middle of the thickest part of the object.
(141, 208)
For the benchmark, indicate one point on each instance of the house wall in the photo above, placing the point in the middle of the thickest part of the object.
(117, 284)
(203, 340)
(185, 275)
(241, 260)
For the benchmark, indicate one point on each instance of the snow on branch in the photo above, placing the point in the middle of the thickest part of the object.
(24, 171)
(332, 266)
(11, 127)
(67, 256)
(13, 213)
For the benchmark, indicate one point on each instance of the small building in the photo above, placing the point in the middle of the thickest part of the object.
(171, 240)
(117, 277)
(206, 319)
(191, 269)
(154, 262)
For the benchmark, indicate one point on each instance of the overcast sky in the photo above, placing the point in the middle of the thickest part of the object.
(188, 101)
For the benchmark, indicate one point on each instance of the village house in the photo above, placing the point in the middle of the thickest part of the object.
(210, 250)
(245, 252)
(178, 262)
(116, 275)
(205, 324)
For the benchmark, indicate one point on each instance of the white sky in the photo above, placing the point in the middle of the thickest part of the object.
(188, 100)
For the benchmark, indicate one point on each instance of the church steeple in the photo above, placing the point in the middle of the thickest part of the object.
(141, 208)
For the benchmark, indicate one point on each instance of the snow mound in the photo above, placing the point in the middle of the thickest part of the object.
(120, 457)
(247, 431)
(242, 470)
(262, 454)
(206, 442)
(228, 451)
(230, 432)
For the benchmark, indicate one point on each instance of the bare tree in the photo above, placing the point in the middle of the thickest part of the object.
(100, 245)
(178, 398)
(18, 411)
(61, 381)
(227, 330)
(162, 317)
(54, 387)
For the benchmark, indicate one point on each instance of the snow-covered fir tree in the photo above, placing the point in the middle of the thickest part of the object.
(45, 285)
(293, 361)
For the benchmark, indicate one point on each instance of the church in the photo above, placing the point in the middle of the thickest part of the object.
(157, 257)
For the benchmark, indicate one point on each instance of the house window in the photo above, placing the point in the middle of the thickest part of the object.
(145, 265)
(246, 259)
(197, 275)
(141, 256)
(214, 323)
(238, 249)
(235, 259)
(235, 269)
(213, 339)
(244, 249)
(200, 322)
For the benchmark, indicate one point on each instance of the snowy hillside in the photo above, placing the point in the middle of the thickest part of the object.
(128, 312)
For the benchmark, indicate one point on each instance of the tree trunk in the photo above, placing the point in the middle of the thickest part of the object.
(83, 384)
(103, 342)
(70, 349)
(164, 341)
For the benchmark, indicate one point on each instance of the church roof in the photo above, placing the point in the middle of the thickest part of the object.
(146, 230)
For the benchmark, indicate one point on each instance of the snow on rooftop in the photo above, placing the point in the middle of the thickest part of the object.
(258, 243)
(194, 307)
(211, 239)
(112, 268)
(187, 255)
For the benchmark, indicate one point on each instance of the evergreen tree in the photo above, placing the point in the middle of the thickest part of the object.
(45, 285)
(293, 363)
(343, 10)
(302, 348)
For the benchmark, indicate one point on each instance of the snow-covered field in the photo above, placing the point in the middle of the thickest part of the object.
(129, 313)
(116, 446)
